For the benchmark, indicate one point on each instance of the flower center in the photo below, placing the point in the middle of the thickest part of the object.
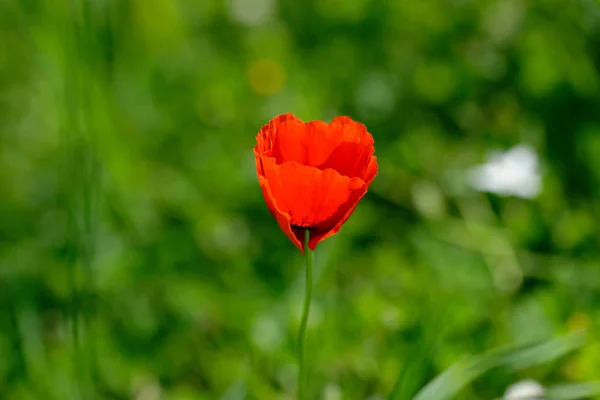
(301, 222)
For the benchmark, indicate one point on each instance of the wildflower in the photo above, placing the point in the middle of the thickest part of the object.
(313, 174)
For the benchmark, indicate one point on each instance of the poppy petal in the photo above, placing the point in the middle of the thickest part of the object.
(288, 143)
(311, 197)
(349, 159)
(283, 219)
(267, 134)
(345, 120)
(360, 130)
(322, 140)
(266, 137)
(305, 143)
(371, 172)
(333, 224)
(351, 156)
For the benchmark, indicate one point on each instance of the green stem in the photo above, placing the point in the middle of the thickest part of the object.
(305, 312)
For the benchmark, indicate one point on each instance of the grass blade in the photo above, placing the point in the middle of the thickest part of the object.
(573, 391)
(466, 370)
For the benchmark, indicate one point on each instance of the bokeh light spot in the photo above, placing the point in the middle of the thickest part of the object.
(266, 77)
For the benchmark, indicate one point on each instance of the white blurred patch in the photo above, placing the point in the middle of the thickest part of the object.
(525, 390)
(252, 12)
(512, 173)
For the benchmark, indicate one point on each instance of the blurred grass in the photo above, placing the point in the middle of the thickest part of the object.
(138, 260)
(468, 369)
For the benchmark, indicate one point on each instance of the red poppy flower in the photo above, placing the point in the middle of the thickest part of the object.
(313, 174)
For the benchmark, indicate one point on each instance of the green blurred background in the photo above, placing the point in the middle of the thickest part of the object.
(139, 261)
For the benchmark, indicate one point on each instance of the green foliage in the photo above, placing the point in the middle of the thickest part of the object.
(137, 257)
(468, 369)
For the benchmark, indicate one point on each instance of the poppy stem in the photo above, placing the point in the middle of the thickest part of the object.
(305, 311)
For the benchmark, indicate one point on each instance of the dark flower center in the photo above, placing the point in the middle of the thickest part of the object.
(301, 223)
(303, 227)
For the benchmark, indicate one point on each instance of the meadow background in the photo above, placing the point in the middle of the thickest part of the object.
(139, 261)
